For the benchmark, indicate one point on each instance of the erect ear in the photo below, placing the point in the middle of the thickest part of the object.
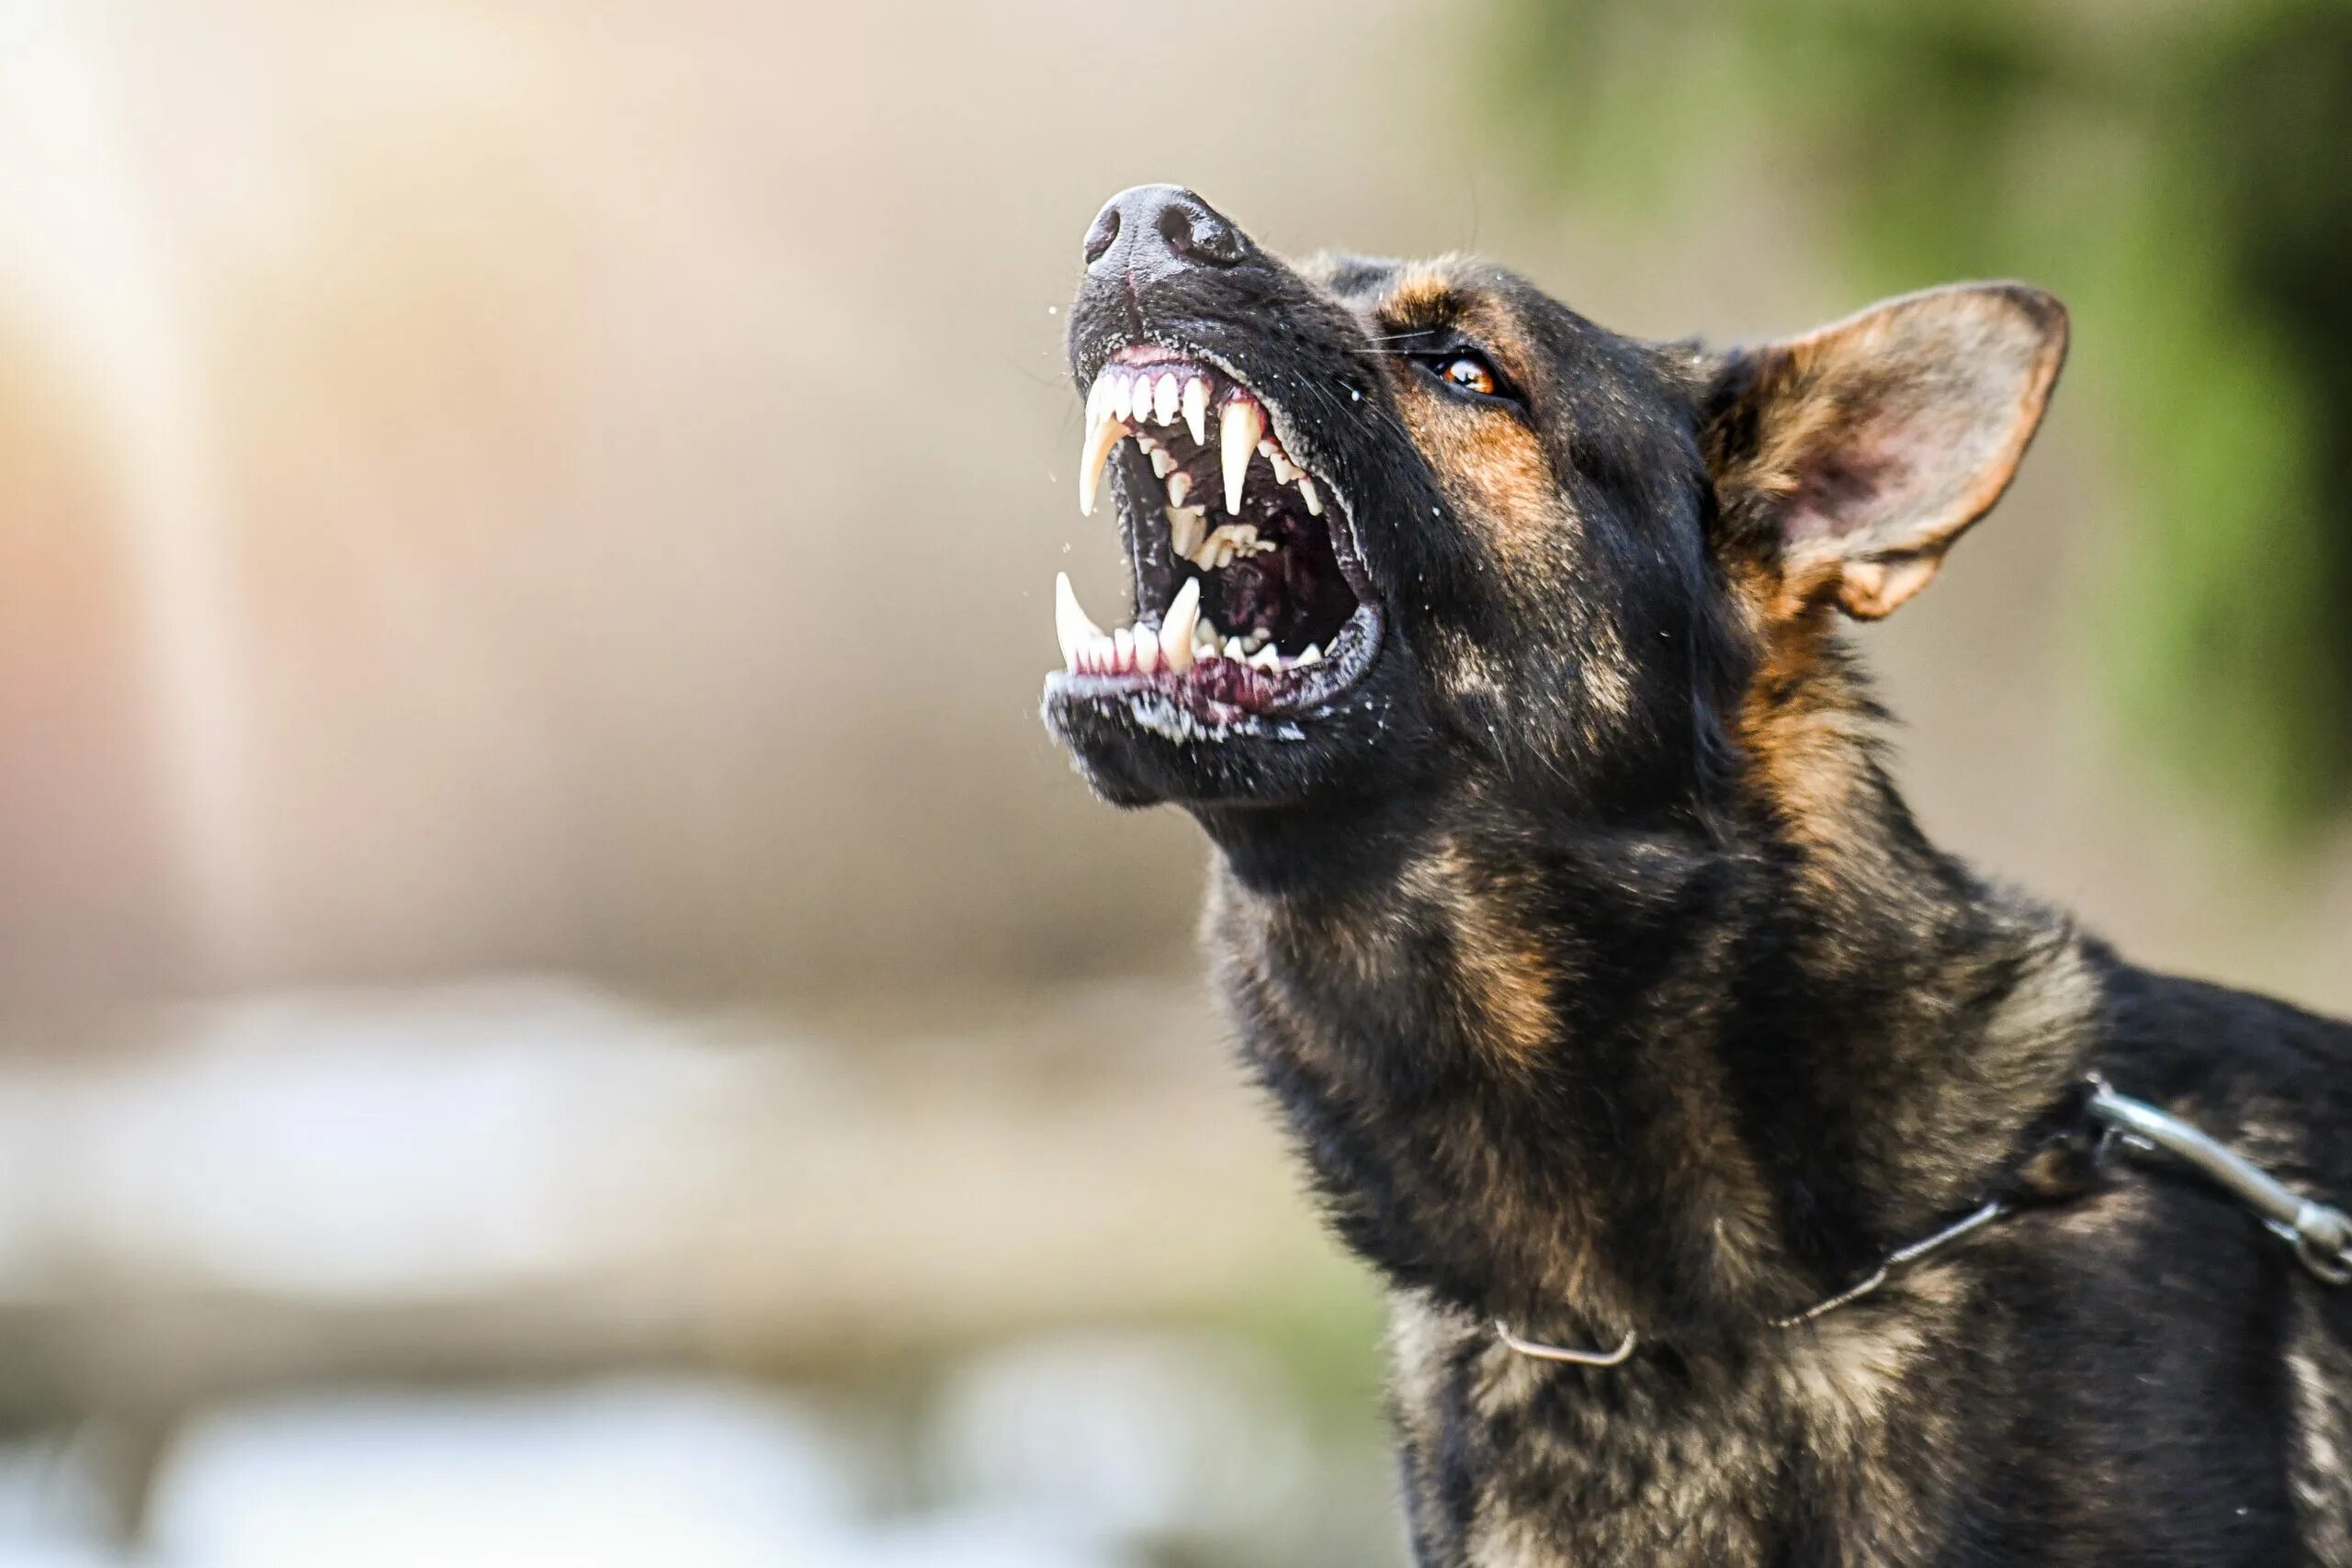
(1847, 460)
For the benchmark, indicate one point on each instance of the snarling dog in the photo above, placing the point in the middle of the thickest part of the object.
(1629, 1025)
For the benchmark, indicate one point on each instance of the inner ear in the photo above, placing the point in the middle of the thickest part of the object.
(1847, 460)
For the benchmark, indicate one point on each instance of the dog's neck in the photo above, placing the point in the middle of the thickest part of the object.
(1592, 1077)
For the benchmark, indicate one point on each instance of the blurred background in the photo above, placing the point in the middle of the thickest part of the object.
(555, 1004)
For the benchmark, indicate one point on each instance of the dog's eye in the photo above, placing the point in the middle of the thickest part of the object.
(1470, 373)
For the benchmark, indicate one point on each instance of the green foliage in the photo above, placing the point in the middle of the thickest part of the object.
(2180, 174)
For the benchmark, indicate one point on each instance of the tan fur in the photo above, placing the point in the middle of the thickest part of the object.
(2319, 1466)
(1507, 984)
(1422, 296)
(1499, 479)
(1806, 738)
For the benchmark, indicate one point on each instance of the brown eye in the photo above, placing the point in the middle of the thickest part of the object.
(1468, 372)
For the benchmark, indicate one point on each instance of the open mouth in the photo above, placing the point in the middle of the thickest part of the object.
(1251, 597)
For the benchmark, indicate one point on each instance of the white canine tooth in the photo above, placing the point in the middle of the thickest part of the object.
(1179, 487)
(1099, 439)
(1163, 399)
(1311, 654)
(1235, 651)
(1098, 400)
(1071, 626)
(1116, 405)
(1163, 462)
(1196, 409)
(1285, 470)
(1177, 626)
(1308, 494)
(1147, 646)
(1244, 424)
(1267, 659)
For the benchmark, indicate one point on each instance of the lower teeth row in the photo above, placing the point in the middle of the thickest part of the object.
(1184, 639)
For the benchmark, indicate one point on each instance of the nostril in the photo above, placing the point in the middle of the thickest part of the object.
(1099, 237)
(1195, 232)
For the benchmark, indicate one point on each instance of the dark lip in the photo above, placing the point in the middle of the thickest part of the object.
(1297, 695)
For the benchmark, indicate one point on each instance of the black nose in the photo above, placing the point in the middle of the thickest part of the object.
(1151, 230)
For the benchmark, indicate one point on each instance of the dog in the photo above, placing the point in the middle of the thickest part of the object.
(1630, 1027)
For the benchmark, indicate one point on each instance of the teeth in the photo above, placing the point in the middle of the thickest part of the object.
(1176, 627)
(1309, 655)
(1285, 472)
(1244, 427)
(1163, 462)
(1187, 526)
(1307, 492)
(1098, 401)
(1116, 405)
(1179, 487)
(1123, 646)
(1267, 659)
(1100, 438)
(1235, 651)
(1227, 540)
(1163, 399)
(1196, 409)
(1204, 639)
(1075, 632)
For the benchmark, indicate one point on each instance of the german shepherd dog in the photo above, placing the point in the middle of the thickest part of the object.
(1565, 904)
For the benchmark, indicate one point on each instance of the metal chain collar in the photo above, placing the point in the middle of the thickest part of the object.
(2320, 1234)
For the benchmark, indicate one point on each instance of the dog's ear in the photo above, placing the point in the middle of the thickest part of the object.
(1847, 460)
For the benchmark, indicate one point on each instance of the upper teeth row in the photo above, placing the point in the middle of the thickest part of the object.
(1149, 396)
(1125, 399)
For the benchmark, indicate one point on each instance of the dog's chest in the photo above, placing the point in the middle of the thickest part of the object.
(1821, 1449)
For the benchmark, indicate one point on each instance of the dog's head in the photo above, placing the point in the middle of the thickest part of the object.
(1392, 522)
